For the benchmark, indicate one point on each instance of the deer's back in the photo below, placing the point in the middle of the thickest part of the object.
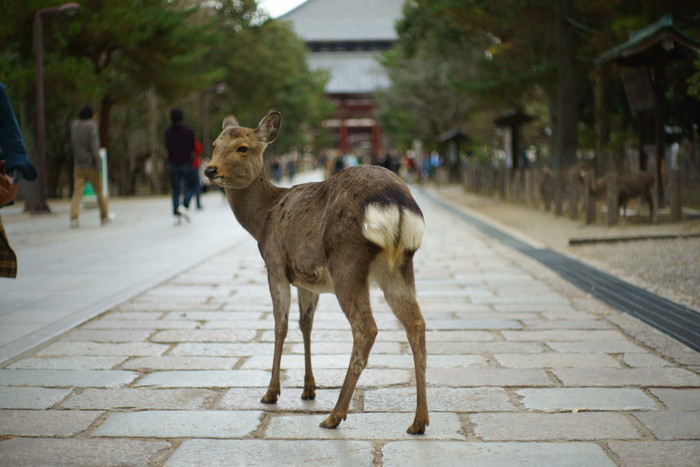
(313, 220)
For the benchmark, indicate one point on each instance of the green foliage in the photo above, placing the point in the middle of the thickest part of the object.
(112, 54)
(511, 53)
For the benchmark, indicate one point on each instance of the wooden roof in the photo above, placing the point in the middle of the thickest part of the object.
(660, 41)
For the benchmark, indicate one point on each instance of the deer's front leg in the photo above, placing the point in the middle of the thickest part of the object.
(279, 290)
(307, 307)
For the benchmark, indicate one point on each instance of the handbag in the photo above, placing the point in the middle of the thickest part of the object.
(8, 189)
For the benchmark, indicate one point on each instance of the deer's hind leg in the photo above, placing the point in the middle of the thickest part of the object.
(281, 296)
(307, 307)
(352, 290)
(399, 290)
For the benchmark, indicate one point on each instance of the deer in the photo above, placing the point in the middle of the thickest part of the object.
(639, 184)
(629, 186)
(357, 227)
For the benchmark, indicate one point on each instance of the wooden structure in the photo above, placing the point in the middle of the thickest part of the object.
(345, 39)
(512, 120)
(642, 60)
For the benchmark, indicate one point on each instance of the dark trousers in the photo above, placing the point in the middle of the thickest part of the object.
(182, 174)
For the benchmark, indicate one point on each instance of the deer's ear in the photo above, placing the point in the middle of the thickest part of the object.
(269, 126)
(230, 120)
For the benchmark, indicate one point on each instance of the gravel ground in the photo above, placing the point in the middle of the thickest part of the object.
(668, 267)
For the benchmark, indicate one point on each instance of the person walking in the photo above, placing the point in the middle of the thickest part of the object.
(14, 163)
(179, 140)
(86, 164)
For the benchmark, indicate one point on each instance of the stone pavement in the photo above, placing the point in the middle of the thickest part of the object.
(523, 369)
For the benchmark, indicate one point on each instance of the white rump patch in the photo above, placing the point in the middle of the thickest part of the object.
(412, 227)
(387, 227)
(381, 224)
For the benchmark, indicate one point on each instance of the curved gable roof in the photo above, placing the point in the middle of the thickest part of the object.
(345, 20)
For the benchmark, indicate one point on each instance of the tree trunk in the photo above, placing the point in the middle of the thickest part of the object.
(563, 105)
(105, 111)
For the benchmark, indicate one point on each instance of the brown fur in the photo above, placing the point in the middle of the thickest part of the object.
(629, 186)
(316, 236)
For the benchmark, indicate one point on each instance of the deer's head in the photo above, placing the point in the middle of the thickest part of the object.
(237, 159)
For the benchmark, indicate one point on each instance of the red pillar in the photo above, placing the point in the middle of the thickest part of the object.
(376, 139)
(343, 133)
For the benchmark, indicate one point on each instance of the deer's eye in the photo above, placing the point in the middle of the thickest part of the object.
(242, 149)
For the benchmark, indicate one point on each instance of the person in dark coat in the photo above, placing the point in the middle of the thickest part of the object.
(179, 140)
(14, 163)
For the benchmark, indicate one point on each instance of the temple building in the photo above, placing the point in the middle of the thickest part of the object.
(346, 37)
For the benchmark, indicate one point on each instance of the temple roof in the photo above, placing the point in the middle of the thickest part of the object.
(345, 20)
(344, 37)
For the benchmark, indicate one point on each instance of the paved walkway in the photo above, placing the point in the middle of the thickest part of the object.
(523, 369)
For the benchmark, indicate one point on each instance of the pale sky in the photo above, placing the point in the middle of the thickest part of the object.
(278, 7)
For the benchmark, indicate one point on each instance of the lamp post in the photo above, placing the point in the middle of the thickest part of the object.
(68, 8)
(218, 88)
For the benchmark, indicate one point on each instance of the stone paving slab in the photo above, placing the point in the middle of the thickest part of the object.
(102, 349)
(128, 335)
(67, 363)
(373, 426)
(31, 398)
(678, 399)
(140, 399)
(597, 399)
(552, 360)
(290, 401)
(452, 453)
(487, 377)
(672, 425)
(206, 379)
(663, 377)
(281, 453)
(32, 452)
(555, 427)
(657, 453)
(180, 424)
(205, 335)
(180, 363)
(57, 423)
(441, 400)
(67, 378)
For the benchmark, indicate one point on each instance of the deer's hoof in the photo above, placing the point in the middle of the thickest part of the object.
(269, 398)
(309, 394)
(331, 422)
(417, 427)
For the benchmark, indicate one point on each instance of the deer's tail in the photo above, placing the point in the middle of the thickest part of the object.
(394, 228)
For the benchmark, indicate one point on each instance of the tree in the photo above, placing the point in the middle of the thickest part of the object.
(265, 67)
(109, 53)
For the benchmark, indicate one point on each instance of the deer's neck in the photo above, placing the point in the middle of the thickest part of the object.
(250, 205)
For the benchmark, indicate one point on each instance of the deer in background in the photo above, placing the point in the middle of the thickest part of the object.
(630, 186)
(639, 184)
(359, 226)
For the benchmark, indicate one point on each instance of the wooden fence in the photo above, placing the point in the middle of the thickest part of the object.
(575, 193)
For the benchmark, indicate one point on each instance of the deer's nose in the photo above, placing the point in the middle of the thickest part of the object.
(210, 172)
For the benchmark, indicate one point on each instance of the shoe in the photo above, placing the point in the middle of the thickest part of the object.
(177, 219)
(105, 221)
(74, 224)
(182, 212)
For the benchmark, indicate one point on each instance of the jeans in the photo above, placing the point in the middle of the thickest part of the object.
(180, 173)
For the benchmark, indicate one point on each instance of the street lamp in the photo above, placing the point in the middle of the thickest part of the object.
(218, 88)
(67, 8)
